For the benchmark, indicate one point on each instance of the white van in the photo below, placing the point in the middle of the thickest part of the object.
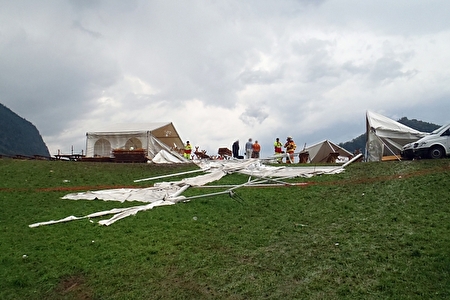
(434, 145)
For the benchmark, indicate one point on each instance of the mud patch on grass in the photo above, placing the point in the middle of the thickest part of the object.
(74, 287)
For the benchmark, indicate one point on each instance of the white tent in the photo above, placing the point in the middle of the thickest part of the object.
(386, 137)
(152, 137)
(326, 151)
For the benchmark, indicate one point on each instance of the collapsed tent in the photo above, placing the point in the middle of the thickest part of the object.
(169, 193)
(326, 151)
(386, 137)
(151, 137)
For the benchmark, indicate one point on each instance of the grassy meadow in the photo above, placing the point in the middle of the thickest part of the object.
(376, 231)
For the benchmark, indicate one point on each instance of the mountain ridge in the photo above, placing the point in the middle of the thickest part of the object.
(19, 136)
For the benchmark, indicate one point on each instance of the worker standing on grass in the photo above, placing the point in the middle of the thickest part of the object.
(278, 149)
(187, 150)
(248, 148)
(256, 148)
(290, 149)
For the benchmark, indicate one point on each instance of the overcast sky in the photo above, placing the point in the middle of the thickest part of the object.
(223, 70)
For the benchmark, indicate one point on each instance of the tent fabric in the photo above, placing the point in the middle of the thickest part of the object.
(153, 137)
(386, 137)
(169, 193)
(165, 157)
(118, 213)
(319, 153)
(255, 168)
(150, 194)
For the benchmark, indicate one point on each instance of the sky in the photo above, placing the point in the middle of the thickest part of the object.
(222, 71)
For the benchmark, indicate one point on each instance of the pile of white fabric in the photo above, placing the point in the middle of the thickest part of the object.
(169, 193)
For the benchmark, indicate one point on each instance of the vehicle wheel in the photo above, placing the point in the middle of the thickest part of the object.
(436, 152)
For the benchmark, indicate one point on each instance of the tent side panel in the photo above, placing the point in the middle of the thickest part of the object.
(374, 147)
(119, 140)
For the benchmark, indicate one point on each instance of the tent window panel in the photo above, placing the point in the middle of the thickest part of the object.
(102, 148)
(133, 143)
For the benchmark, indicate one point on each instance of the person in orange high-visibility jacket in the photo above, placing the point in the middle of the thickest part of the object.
(290, 149)
(187, 150)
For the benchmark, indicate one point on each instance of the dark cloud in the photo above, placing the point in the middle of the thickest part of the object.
(50, 80)
(257, 68)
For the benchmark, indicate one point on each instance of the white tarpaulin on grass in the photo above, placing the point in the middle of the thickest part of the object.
(255, 168)
(169, 193)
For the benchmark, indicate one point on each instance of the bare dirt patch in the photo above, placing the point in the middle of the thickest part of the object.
(74, 287)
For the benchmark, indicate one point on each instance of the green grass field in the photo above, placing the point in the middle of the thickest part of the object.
(375, 231)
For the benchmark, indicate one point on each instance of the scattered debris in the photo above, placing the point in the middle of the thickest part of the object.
(169, 193)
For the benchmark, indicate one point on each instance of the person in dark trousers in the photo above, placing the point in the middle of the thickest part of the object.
(235, 148)
(256, 150)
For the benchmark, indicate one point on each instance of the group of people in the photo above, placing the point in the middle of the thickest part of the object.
(290, 147)
(252, 150)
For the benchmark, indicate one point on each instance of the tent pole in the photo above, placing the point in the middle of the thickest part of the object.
(352, 160)
(169, 175)
(388, 148)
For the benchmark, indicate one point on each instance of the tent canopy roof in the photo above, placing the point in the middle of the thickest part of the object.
(319, 152)
(330, 144)
(132, 127)
(380, 122)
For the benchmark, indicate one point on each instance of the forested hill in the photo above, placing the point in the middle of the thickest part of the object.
(360, 141)
(18, 136)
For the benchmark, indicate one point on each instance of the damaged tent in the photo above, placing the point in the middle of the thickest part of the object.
(170, 193)
(150, 137)
(386, 137)
(326, 152)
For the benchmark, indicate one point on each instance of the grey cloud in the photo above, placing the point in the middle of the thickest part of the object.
(383, 69)
(254, 115)
(260, 76)
(403, 17)
(311, 47)
(352, 68)
(48, 81)
(85, 4)
(59, 60)
(77, 25)
(386, 68)
(316, 58)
